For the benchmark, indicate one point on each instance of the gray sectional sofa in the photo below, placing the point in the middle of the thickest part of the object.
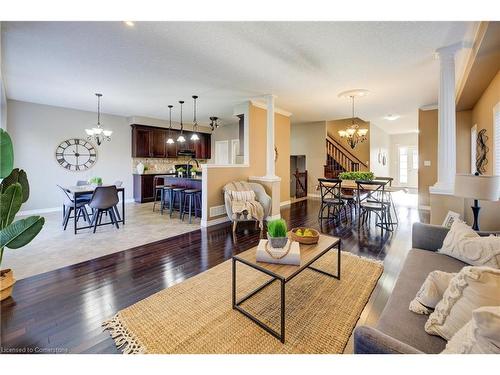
(399, 330)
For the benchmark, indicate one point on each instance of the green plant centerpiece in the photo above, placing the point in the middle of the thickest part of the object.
(180, 171)
(14, 191)
(96, 181)
(365, 176)
(277, 233)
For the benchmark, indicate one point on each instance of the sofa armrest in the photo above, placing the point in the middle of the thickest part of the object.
(369, 340)
(428, 236)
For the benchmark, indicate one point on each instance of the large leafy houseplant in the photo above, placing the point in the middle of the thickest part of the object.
(14, 191)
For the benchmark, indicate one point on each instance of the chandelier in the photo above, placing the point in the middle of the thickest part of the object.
(213, 123)
(353, 134)
(195, 136)
(98, 134)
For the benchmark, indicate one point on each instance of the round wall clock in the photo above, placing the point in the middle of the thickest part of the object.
(76, 155)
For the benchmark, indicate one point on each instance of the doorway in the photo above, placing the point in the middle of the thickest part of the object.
(221, 152)
(407, 166)
(298, 176)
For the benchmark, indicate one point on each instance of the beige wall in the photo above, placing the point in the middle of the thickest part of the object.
(428, 145)
(482, 115)
(309, 139)
(362, 150)
(217, 177)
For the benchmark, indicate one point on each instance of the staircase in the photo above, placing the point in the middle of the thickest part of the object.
(339, 159)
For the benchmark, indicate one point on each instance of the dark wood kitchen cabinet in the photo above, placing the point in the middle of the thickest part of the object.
(151, 142)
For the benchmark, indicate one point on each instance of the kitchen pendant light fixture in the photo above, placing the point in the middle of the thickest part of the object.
(181, 138)
(97, 133)
(353, 134)
(170, 140)
(195, 136)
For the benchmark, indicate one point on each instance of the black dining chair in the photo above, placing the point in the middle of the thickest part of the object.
(331, 198)
(84, 183)
(69, 206)
(104, 200)
(371, 198)
(390, 201)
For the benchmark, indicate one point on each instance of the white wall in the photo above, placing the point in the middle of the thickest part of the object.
(223, 133)
(380, 142)
(36, 130)
(3, 97)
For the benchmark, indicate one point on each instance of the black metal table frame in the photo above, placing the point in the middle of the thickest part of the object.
(275, 277)
(76, 194)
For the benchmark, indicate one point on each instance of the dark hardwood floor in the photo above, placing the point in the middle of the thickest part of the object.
(61, 311)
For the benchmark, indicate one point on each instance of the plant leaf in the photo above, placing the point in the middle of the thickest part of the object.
(6, 154)
(21, 232)
(10, 203)
(17, 176)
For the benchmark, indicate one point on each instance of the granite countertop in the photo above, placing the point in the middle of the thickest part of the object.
(198, 178)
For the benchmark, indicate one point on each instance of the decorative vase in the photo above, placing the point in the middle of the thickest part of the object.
(140, 168)
(277, 242)
(7, 282)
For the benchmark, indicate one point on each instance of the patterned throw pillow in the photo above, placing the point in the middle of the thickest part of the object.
(431, 292)
(481, 335)
(464, 244)
(242, 195)
(470, 289)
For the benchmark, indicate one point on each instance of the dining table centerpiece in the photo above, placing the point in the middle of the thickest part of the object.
(363, 176)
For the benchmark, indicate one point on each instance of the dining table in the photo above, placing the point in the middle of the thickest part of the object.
(78, 191)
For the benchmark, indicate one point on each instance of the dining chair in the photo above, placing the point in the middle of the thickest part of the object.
(373, 201)
(331, 198)
(69, 206)
(390, 201)
(104, 200)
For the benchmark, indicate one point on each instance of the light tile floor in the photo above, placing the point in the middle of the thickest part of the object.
(54, 248)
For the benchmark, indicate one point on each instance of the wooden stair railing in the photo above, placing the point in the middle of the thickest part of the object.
(339, 159)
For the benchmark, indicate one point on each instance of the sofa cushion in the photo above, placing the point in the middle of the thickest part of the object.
(399, 322)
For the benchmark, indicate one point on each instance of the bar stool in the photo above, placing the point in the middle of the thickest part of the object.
(158, 188)
(166, 197)
(193, 198)
(177, 193)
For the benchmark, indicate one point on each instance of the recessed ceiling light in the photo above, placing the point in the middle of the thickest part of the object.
(391, 117)
(129, 23)
(356, 93)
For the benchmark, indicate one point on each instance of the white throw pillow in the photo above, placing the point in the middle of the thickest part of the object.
(471, 288)
(458, 231)
(431, 292)
(479, 251)
(480, 336)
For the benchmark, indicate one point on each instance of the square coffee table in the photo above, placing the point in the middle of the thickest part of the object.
(283, 273)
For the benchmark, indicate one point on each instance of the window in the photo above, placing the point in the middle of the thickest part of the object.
(496, 139)
(403, 165)
(415, 158)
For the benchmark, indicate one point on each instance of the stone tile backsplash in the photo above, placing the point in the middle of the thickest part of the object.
(157, 165)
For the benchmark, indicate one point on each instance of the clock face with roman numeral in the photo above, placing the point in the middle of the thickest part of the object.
(76, 155)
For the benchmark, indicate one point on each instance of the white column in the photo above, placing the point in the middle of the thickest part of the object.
(270, 169)
(447, 149)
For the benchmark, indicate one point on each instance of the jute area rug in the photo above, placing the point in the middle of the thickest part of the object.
(196, 316)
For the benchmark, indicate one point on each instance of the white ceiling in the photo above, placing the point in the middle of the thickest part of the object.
(306, 64)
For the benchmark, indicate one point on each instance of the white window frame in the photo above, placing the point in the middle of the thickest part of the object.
(496, 139)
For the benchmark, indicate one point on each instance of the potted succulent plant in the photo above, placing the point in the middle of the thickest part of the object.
(277, 233)
(180, 171)
(14, 191)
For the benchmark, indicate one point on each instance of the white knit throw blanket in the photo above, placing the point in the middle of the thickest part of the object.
(243, 201)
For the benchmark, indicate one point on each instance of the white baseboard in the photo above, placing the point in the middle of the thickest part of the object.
(39, 211)
(285, 203)
(209, 223)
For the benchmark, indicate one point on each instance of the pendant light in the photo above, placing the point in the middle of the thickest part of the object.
(181, 138)
(213, 123)
(170, 139)
(195, 136)
(97, 133)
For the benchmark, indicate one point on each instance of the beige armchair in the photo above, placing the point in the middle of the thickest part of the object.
(260, 195)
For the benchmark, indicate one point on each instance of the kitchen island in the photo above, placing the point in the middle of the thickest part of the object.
(185, 182)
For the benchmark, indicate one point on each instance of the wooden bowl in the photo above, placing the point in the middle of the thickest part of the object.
(305, 240)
